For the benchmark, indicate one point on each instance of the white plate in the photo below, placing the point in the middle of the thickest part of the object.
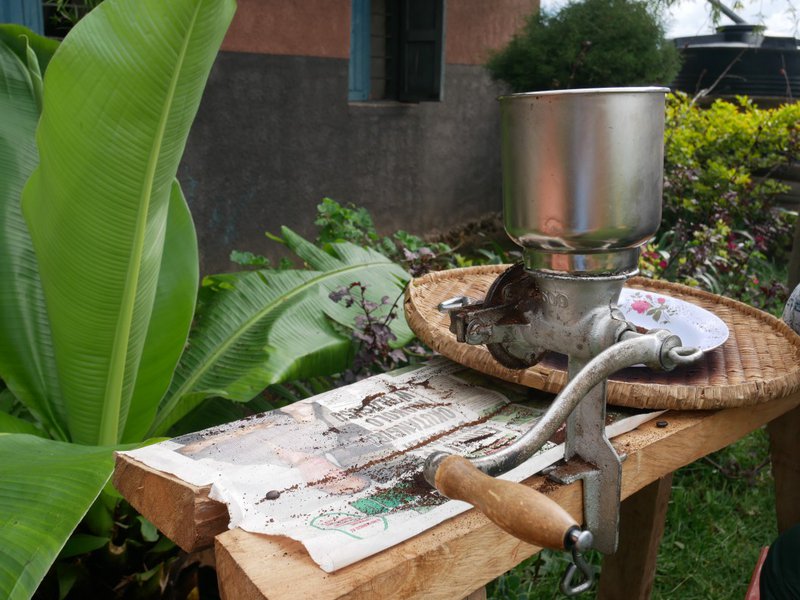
(696, 326)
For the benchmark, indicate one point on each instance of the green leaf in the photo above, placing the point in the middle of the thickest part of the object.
(27, 363)
(119, 97)
(386, 281)
(164, 544)
(248, 259)
(99, 519)
(173, 310)
(82, 543)
(12, 424)
(67, 577)
(19, 39)
(273, 237)
(252, 329)
(7, 400)
(45, 489)
(264, 327)
(148, 530)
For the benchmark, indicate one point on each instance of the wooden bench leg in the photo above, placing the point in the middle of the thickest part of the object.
(785, 455)
(629, 573)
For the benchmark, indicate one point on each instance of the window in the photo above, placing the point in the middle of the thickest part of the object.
(396, 50)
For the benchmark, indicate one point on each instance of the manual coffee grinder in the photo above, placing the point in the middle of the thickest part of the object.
(582, 183)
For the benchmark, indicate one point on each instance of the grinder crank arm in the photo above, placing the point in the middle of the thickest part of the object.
(517, 509)
(545, 523)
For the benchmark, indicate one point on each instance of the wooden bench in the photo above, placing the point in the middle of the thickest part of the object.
(457, 558)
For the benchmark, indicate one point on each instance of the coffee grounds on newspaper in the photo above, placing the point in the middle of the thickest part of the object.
(427, 406)
(393, 455)
(426, 383)
(408, 489)
(478, 438)
(420, 484)
(367, 400)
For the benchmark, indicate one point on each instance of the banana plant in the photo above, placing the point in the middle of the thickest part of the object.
(98, 259)
(97, 299)
(259, 328)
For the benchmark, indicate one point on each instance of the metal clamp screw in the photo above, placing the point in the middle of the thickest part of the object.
(579, 542)
(478, 333)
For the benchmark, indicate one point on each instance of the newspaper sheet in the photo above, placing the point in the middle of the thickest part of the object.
(342, 472)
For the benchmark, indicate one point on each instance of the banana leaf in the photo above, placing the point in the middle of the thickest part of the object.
(171, 318)
(27, 363)
(11, 424)
(47, 488)
(379, 284)
(119, 97)
(257, 328)
(22, 40)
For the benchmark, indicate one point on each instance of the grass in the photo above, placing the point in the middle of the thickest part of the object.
(720, 514)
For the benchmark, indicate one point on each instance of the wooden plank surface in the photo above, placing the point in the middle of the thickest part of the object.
(466, 552)
(182, 512)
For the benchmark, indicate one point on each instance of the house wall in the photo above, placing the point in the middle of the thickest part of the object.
(275, 132)
(294, 28)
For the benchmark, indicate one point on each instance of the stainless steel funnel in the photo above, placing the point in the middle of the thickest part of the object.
(582, 176)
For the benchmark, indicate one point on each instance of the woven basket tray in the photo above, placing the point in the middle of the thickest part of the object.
(759, 361)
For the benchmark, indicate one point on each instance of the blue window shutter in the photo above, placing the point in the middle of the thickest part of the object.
(23, 12)
(359, 72)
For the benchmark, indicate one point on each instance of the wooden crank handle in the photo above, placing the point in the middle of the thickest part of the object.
(521, 511)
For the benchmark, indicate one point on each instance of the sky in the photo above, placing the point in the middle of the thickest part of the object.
(692, 17)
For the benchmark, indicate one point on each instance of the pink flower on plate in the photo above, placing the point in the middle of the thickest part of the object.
(640, 306)
(662, 300)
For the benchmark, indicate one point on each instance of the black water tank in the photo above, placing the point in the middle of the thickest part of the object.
(745, 62)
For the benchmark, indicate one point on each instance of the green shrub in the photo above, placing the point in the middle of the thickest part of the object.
(721, 229)
(348, 223)
(593, 43)
(344, 223)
